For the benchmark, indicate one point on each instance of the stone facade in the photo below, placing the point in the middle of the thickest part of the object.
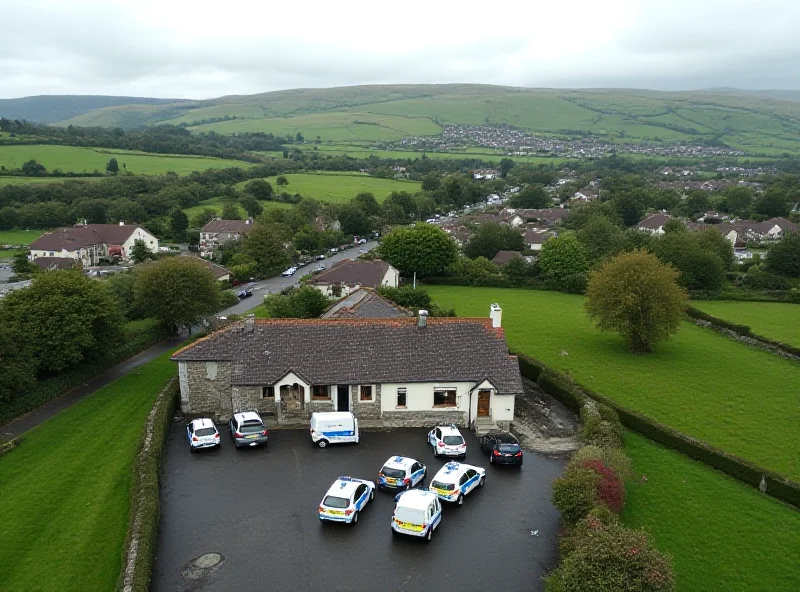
(415, 419)
(365, 409)
(210, 386)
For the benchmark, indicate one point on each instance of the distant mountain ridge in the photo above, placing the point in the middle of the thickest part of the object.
(54, 108)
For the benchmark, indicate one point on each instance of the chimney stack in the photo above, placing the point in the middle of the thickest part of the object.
(122, 222)
(496, 314)
(422, 319)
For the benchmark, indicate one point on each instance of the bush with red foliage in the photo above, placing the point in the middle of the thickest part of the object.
(609, 489)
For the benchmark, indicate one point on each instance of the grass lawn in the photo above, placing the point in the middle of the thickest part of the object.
(19, 237)
(65, 490)
(217, 205)
(705, 385)
(341, 187)
(776, 320)
(722, 535)
(87, 160)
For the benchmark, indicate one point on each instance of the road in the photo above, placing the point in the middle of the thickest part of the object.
(258, 509)
(276, 284)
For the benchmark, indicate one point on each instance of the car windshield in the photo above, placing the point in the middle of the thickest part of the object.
(205, 432)
(445, 486)
(394, 473)
(410, 515)
(453, 440)
(251, 428)
(335, 502)
(509, 447)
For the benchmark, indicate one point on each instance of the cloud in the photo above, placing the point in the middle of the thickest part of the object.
(198, 49)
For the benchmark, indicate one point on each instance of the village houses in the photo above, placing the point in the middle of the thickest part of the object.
(348, 275)
(89, 243)
(218, 232)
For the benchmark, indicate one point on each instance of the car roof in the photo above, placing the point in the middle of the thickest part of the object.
(449, 430)
(416, 499)
(452, 471)
(202, 422)
(399, 462)
(344, 487)
(248, 416)
(504, 437)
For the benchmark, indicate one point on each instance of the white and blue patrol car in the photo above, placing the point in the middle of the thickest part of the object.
(418, 513)
(346, 499)
(456, 480)
(401, 472)
(446, 440)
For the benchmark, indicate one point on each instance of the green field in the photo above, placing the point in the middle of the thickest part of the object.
(723, 536)
(88, 160)
(217, 205)
(705, 385)
(776, 320)
(65, 490)
(19, 237)
(340, 187)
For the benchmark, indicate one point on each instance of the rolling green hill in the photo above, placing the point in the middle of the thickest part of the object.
(52, 108)
(757, 122)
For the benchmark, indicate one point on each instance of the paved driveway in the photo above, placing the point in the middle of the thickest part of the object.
(257, 507)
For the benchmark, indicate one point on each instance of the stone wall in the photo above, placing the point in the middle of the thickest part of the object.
(419, 419)
(747, 339)
(365, 409)
(209, 389)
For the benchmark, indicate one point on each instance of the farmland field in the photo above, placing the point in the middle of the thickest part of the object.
(776, 320)
(341, 187)
(723, 536)
(66, 506)
(705, 385)
(19, 237)
(87, 160)
(217, 205)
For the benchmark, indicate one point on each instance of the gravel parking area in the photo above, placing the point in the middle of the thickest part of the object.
(257, 509)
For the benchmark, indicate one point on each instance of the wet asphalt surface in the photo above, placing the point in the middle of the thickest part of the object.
(258, 508)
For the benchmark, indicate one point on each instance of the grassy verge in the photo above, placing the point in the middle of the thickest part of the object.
(723, 536)
(776, 320)
(705, 385)
(65, 490)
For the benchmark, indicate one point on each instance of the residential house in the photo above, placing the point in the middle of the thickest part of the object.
(503, 257)
(392, 372)
(365, 303)
(485, 174)
(347, 276)
(585, 195)
(547, 217)
(654, 224)
(89, 243)
(218, 232)
(740, 232)
(221, 274)
(534, 238)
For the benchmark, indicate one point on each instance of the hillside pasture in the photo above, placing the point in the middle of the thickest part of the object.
(217, 204)
(339, 188)
(705, 385)
(88, 160)
(19, 237)
(776, 320)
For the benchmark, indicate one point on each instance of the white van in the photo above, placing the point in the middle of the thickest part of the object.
(417, 513)
(333, 427)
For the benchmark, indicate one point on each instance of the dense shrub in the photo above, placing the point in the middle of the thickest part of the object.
(599, 431)
(575, 493)
(614, 458)
(611, 558)
(610, 489)
(759, 279)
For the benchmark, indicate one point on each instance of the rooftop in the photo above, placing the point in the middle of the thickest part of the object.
(365, 303)
(84, 235)
(233, 226)
(353, 273)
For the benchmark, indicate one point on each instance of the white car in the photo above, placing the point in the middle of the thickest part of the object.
(401, 472)
(289, 272)
(202, 433)
(456, 480)
(418, 513)
(346, 499)
(446, 440)
(362, 241)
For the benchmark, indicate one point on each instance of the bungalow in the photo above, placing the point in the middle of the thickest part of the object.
(503, 257)
(394, 372)
(347, 276)
(534, 238)
(585, 195)
(218, 232)
(365, 303)
(88, 243)
(654, 224)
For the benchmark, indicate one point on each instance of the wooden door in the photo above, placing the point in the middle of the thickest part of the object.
(483, 403)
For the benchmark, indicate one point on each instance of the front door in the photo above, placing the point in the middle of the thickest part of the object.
(483, 403)
(343, 397)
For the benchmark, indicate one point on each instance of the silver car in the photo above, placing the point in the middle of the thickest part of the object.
(247, 429)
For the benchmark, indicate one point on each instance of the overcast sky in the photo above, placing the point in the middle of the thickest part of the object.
(198, 49)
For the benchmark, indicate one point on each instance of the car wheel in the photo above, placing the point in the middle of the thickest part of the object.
(491, 458)
(429, 536)
(482, 482)
(322, 443)
(460, 500)
(354, 521)
(192, 448)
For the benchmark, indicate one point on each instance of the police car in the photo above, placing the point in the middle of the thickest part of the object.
(202, 433)
(455, 480)
(446, 440)
(418, 513)
(400, 472)
(346, 499)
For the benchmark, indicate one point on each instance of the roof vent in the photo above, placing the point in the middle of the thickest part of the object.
(249, 323)
(496, 314)
(422, 319)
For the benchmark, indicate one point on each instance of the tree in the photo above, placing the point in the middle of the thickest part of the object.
(20, 264)
(242, 267)
(303, 303)
(178, 223)
(140, 251)
(696, 203)
(17, 360)
(299, 137)
(33, 169)
(282, 181)
(518, 271)
(66, 318)
(783, 257)
(424, 248)
(265, 245)
(260, 189)
(532, 197)
(491, 238)
(431, 182)
(772, 204)
(250, 205)
(353, 220)
(629, 207)
(203, 217)
(230, 211)
(178, 291)
(712, 241)
(738, 200)
(637, 296)
(506, 164)
(602, 239)
(699, 269)
(367, 202)
(112, 168)
(674, 225)
(564, 263)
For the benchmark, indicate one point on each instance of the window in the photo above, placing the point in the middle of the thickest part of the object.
(320, 391)
(444, 398)
(268, 392)
(401, 397)
(366, 392)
